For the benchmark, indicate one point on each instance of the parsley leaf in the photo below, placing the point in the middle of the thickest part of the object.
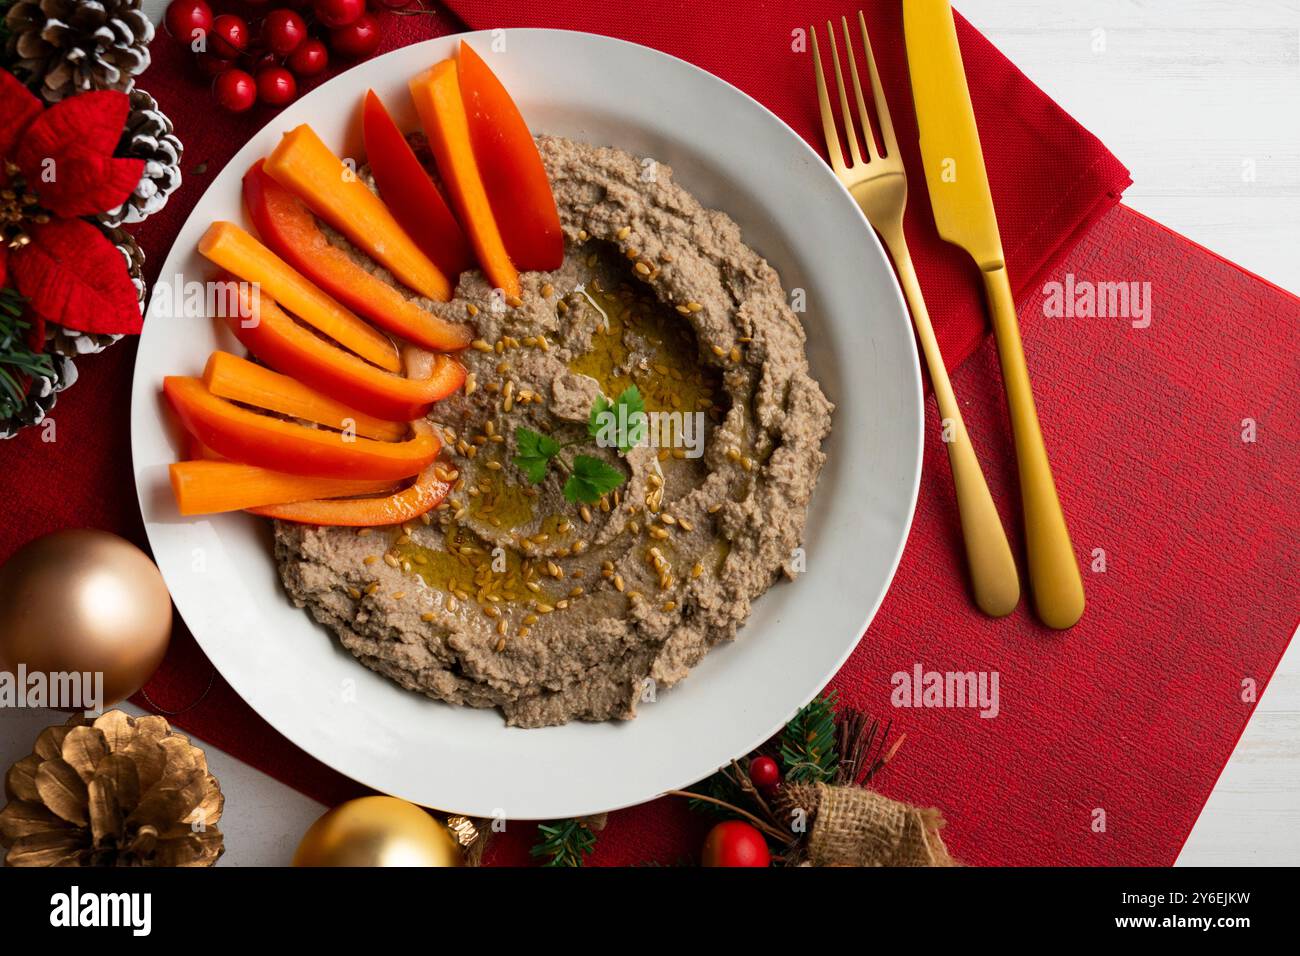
(591, 478)
(628, 409)
(535, 453)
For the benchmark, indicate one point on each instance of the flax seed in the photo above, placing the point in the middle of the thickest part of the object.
(370, 559)
(480, 345)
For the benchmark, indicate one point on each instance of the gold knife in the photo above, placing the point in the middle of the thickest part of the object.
(963, 211)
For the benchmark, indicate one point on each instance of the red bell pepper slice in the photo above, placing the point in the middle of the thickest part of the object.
(511, 167)
(286, 225)
(409, 191)
(424, 495)
(242, 435)
(296, 351)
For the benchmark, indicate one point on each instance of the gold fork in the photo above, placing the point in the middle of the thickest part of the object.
(879, 185)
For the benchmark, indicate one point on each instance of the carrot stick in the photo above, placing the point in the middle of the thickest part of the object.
(210, 487)
(442, 113)
(235, 250)
(305, 165)
(229, 376)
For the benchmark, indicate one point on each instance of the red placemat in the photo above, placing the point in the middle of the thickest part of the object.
(1123, 714)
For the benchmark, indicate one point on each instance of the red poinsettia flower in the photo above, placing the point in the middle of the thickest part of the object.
(58, 166)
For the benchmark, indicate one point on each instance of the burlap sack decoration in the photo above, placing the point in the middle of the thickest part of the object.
(853, 826)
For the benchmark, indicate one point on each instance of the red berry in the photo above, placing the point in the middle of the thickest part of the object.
(235, 91)
(359, 38)
(212, 65)
(735, 843)
(187, 20)
(229, 36)
(310, 58)
(283, 31)
(395, 4)
(276, 86)
(338, 13)
(764, 773)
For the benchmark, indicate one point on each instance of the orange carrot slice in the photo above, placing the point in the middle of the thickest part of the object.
(287, 226)
(424, 495)
(245, 436)
(209, 487)
(235, 378)
(442, 113)
(287, 347)
(239, 253)
(305, 165)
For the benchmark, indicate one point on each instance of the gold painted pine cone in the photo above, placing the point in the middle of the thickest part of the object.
(118, 791)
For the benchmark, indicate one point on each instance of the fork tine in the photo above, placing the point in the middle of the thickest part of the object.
(828, 114)
(863, 116)
(849, 134)
(877, 92)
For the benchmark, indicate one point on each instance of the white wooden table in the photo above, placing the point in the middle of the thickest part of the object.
(1189, 94)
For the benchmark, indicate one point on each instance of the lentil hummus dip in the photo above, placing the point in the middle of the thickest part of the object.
(511, 595)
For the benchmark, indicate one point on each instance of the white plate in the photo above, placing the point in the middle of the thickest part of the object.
(734, 155)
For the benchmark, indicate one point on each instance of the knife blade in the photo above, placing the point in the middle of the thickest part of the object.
(964, 213)
(950, 142)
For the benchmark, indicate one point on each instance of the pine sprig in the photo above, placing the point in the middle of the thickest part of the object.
(565, 843)
(808, 751)
(721, 786)
(17, 359)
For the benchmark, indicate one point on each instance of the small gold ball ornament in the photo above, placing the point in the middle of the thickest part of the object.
(378, 831)
(84, 602)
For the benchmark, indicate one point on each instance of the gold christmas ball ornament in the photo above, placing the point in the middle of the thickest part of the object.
(84, 602)
(378, 831)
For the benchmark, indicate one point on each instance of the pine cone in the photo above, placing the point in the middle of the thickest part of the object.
(41, 397)
(69, 342)
(121, 791)
(148, 136)
(62, 47)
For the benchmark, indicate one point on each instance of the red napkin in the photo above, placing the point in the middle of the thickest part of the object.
(1166, 623)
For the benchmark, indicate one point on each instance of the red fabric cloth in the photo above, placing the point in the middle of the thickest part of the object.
(1134, 711)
